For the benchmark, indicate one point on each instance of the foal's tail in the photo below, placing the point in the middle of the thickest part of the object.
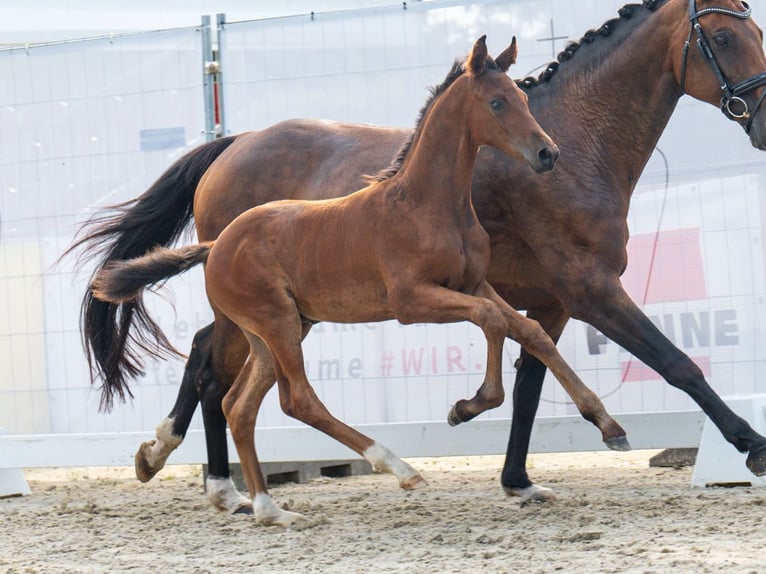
(117, 336)
(124, 281)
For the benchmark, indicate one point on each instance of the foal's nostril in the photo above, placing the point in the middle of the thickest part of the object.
(548, 157)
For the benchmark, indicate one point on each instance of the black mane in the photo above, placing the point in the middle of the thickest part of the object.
(625, 13)
(457, 70)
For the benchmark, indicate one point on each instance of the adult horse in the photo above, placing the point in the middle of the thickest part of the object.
(558, 240)
(408, 247)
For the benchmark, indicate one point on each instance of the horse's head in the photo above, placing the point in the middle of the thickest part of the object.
(501, 116)
(722, 62)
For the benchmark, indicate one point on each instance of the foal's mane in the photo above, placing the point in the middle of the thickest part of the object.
(455, 72)
(606, 29)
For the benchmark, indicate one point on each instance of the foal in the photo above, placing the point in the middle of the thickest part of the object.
(407, 247)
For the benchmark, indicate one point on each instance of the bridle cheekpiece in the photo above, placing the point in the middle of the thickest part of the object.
(732, 103)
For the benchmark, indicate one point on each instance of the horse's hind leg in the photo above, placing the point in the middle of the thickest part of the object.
(224, 355)
(241, 405)
(298, 400)
(153, 454)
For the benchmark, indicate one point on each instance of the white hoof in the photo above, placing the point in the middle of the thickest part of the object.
(269, 514)
(534, 493)
(222, 494)
(383, 460)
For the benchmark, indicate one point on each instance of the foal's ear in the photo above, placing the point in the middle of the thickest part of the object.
(507, 58)
(478, 57)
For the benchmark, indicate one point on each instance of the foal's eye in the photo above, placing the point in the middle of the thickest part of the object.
(496, 105)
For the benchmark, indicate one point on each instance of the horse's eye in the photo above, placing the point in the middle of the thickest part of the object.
(721, 39)
(496, 105)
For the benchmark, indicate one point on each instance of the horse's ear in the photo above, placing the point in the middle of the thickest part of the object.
(477, 60)
(507, 58)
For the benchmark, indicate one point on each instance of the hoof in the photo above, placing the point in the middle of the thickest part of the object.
(145, 471)
(533, 493)
(756, 461)
(244, 509)
(619, 443)
(413, 483)
(269, 514)
(452, 419)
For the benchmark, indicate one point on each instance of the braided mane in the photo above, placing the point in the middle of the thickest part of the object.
(625, 13)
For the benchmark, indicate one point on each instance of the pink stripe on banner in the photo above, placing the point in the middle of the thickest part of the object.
(676, 274)
(634, 370)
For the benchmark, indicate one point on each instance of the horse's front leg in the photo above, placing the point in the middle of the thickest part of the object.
(530, 335)
(430, 303)
(611, 311)
(527, 388)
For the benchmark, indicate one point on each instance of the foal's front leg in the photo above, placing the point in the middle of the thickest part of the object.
(435, 304)
(530, 335)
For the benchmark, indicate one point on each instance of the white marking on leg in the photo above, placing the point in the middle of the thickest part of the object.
(222, 493)
(383, 460)
(269, 514)
(165, 443)
(533, 493)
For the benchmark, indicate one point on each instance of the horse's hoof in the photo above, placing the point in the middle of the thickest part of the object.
(269, 514)
(452, 419)
(533, 493)
(145, 471)
(244, 509)
(415, 482)
(756, 461)
(619, 443)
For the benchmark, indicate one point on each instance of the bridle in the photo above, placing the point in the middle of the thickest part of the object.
(732, 103)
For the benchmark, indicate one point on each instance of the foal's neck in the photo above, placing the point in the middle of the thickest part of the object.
(439, 166)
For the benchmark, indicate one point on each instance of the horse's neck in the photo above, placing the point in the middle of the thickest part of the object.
(439, 165)
(621, 105)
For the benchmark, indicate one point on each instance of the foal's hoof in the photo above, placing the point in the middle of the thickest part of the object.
(533, 493)
(145, 471)
(618, 443)
(269, 514)
(452, 419)
(415, 482)
(756, 461)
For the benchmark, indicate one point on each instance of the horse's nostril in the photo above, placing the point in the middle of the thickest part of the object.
(548, 156)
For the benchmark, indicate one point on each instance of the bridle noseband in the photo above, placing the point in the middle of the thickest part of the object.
(732, 103)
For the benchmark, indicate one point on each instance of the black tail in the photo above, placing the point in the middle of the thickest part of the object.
(156, 218)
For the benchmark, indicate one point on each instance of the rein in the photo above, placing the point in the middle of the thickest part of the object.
(732, 104)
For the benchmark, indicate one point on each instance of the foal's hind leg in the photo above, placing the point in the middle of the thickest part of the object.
(298, 400)
(241, 406)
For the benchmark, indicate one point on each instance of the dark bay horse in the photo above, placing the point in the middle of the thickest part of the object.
(408, 247)
(558, 240)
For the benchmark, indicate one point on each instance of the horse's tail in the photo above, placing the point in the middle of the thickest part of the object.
(156, 218)
(122, 282)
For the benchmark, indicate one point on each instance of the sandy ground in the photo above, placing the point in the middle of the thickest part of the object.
(614, 514)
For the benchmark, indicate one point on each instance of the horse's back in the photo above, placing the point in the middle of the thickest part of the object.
(294, 159)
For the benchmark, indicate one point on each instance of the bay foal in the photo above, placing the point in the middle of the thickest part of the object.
(408, 246)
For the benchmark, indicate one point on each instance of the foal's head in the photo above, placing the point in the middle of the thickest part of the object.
(499, 114)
